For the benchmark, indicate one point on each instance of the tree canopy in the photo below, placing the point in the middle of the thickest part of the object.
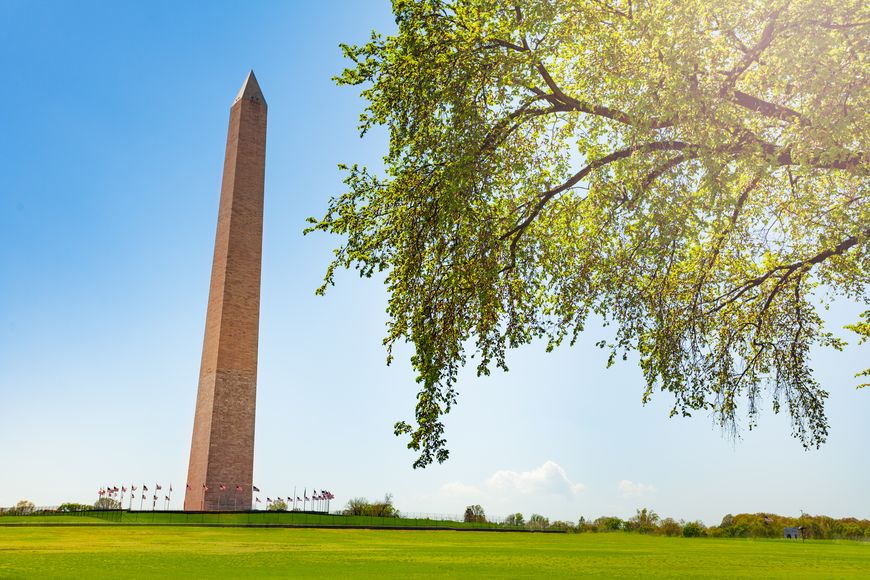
(693, 173)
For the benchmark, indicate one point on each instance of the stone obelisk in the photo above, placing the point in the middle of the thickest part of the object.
(221, 467)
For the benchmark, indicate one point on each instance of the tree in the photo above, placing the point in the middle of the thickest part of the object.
(609, 524)
(669, 527)
(279, 505)
(694, 530)
(73, 507)
(692, 173)
(515, 520)
(107, 503)
(360, 506)
(24, 507)
(474, 513)
(644, 521)
(538, 522)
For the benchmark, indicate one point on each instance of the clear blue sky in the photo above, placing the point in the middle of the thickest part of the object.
(114, 118)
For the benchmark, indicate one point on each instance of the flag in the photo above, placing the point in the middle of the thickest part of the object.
(255, 488)
(159, 487)
(170, 488)
(166, 497)
(279, 499)
(133, 488)
(188, 487)
(298, 498)
(155, 497)
(144, 487)
(239, 488)
(258, 500)
(222, 487)
(123, 489)
(143, 496)
(268, 500)
(204, 487)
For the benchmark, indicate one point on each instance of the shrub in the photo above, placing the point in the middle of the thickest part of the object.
(693, 530)
(669, 527)
(73, 507)
(360, 506)
(279, 505)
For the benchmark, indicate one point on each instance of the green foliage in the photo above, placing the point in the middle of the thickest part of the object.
(474, 513)
(360, 506)
(692, 172)
(609, 524)
(515, 520)
(74, 507)
(644, 521)
(107, 503)
(694, 530)
(669, 527)
(863, 329)
(279, 505)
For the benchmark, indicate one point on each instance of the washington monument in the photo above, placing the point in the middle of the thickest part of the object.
(221, 467)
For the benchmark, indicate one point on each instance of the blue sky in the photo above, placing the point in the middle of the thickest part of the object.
(114, 119)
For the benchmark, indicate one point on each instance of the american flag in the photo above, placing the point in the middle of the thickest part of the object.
(143, 496)
(133, 488)
(204, 487)
(298, 498)
(222, 487)
(123, 489)
(255, 488)
(258, 500)
(188, 487)
(238, 488)
(268, 500)
(166, 497)
(159, 487)
(144, 487)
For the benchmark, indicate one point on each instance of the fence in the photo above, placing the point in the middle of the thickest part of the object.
(258, 519)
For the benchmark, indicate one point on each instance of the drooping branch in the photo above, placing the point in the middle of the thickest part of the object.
(784, 271)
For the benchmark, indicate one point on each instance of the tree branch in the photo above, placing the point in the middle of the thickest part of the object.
(788, 269)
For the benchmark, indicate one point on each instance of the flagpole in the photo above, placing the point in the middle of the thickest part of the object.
(294, 498)
(142, 500)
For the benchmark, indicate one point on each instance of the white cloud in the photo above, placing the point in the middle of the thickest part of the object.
(548, 478)
(631, 489)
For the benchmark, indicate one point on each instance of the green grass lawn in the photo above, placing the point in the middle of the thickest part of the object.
(174, 552)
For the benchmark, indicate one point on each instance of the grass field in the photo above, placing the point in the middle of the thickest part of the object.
(183, 552)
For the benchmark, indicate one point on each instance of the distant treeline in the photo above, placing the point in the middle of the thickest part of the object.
(760, 525)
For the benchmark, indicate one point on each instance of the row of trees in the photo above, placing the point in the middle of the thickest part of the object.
(759, 525)
(647, 521)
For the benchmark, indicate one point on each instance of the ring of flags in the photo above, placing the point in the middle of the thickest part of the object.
(319, 499)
